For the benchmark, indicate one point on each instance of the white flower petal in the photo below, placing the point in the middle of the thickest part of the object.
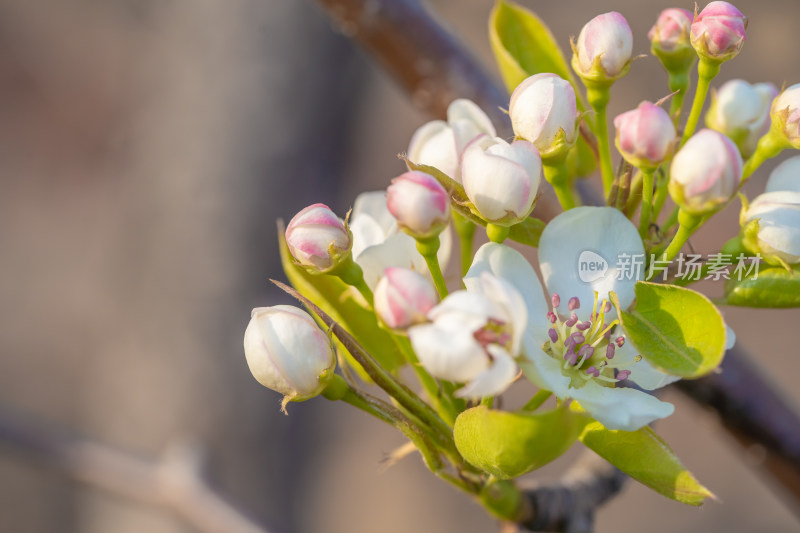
(493, 380)
(643, 373)
(434, 144)
(448, 353)
(508, 264)
(619, 408)
(602, 231)
(545, 372)
(465, 310)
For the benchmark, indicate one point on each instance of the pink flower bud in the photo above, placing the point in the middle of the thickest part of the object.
(741, 111)
(645, 136)
(501, 179)
(543, 111)
(317, 238)
(604, 48)
(671, 30)
(419, 203)
(287, 352)
(403, 298)
(718, 32)
(786, 114)
(705, 173)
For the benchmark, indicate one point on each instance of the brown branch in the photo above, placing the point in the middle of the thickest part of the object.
(173, 482)
(434, 68)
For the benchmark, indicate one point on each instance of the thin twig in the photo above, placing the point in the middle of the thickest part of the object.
(173, 482)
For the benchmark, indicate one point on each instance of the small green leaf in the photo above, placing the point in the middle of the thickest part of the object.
(526, 232)
(523, 45)
(333, 296)
(675, 329)
(771, 286)
(508, 445)
(644, 456)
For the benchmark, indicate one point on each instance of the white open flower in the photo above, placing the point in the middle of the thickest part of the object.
(566, 348)
(473, 337)
(440, 144)
(378, 242)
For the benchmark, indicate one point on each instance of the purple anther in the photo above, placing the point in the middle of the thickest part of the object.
(577, 338)
(583, 326)
(592, 371)
(623, 374)
(571, 357)
(553, 335)
(610, 351)
(572, 320)
(551, 316)
(555, 300)
(607, 307)
(620, 341)
(586, 351)
(574, 303)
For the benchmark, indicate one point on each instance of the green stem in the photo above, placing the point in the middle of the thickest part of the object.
(349, 272)
(557, 174)
(428, 249)
(687, 225)
(538, 399)
(442, 403)
(678, 82)
(770, 145)
(635, 195)
(496, 232)
(466, 236)
(647, 202)
(599, 95)
(662, 190)
(707, 70)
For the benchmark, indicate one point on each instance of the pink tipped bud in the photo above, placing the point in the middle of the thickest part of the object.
(646, 135)
(403, 298)
(604, 48)
(543, 111)
(786, 114)
(718, 31)
(317, 238)
(705, 173)
(741, 111)
(419, 203)
(501, 179)
(671, 31)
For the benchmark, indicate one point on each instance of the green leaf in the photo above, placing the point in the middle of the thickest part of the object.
(333, 296)
(773, 287)
(526, 232)
(523, 45)
(644, 456)
(675, 329)
(508, 445)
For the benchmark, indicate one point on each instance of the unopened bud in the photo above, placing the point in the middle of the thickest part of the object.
(604, 48)
(786, 115)
(741, 111)
(543, 111)
(403, 298)
(317, 238)
(772, 226)
(419, 203)
(718, 31)
(646, 136)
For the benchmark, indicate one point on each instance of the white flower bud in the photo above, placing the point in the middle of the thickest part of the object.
(741, 111)
(604, 48)
(705, 173)
(786, 114)
(439, 144)
(419, 203)
(317, 238)
(777, 232)
(543, 111)
(288, 353)
(646, 135)
(786, 176)
(403, 298)
(501, 179)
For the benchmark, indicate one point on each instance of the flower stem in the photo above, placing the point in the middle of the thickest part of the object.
(662, 188)
(707, 70)
(770, 145)
(599, 95)
(466, 236)
(557, 174)
(687, 225)
(428, 249)
(496, 232)
(647, 202)
(538, 399)
(678, 81)
(349, 272)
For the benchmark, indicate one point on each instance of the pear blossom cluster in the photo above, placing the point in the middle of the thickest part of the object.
(471, 329)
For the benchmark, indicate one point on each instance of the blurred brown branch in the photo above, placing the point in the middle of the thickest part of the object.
(174, 481)
(434, 68)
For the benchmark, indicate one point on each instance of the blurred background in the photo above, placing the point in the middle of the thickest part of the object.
(147, 149)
